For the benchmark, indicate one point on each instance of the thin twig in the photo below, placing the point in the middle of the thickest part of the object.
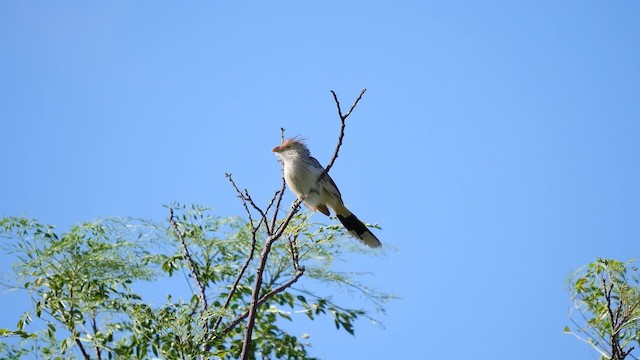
(234, 286)
(82, 350)
(273, 234)
(282, 227)
(264, 298)
(72, 328)
(194, 272)
(245, 197)
(280, 192)
(94, 326)
(615, 346)
(241, 196)
(335, 97)
(343, 119)
(243, 269)
(293, 245)
(259, 210)
(257, 286)
(190, 262)
(273, 200)
(253, 307)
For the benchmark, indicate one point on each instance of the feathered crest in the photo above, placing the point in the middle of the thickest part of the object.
(298, 139)
(293, 144)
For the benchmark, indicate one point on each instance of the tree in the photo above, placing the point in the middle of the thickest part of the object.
(242, 272)
(606, 297)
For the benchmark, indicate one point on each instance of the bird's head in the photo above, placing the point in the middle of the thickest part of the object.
(291, 146)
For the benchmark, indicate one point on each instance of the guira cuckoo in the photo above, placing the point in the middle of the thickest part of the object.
(301, 172)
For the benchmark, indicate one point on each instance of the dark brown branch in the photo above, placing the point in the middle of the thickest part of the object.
(264, 298)
(257, 286)
(71, 327)
(94, 327)
(335, 97)
(263, 215)
(194, 273)
(281, 228)
(273, 234)
(241, 196)
(245, 197)
(271, 238)
(82, 350)
(293, 246)
(280, 192)
(617, 320)
(343, 119)
(234, 286)
(253, 307)
(190, 262)
(273, 200)
(276, 210)
(626, 353)
(243, 269)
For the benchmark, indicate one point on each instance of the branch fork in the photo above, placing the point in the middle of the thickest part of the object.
(273, 232)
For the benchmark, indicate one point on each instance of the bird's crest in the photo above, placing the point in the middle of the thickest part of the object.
(294, 140)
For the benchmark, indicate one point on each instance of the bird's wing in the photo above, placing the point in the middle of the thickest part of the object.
(326, 182)
(331, 187)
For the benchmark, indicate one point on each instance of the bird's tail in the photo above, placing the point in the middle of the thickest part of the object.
(355, 227)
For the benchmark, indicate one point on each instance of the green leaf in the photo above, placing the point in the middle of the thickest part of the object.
(85, 276)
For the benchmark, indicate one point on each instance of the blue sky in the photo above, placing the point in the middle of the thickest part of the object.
(497, 144)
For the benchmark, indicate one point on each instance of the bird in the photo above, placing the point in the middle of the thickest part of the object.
(301, 173)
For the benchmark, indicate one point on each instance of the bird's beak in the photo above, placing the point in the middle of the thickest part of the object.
(276, 149)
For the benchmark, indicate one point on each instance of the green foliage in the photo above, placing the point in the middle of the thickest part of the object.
(606, 296)
(82, 285)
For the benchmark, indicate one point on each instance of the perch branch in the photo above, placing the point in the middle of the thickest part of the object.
(281, 191)
(243, 269)
(273, 236)
(343, 119)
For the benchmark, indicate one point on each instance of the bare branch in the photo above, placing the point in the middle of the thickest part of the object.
(253, 307)
(264, 298)
(257, 286)
(282, 227)
(263, 215)
(293, 246)
(273, 200)
(81, 347)
(626, 353)
(273, 234)
(241, 196)
(94, 327)
(280, 193)
(276, 210)
(282, 287)
(343, 119)
(234, 286)
(245, 197)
